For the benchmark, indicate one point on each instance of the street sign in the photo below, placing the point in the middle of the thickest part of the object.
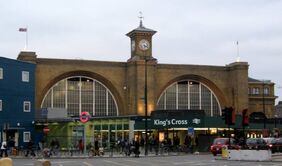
(84, 117)
(190, 131)
(46, 130)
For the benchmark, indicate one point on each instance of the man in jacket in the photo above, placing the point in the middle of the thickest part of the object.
(3, 149)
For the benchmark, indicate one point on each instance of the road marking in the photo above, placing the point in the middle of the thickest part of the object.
(134, 161)
(108, 161)
(186, 162)
(88, 164)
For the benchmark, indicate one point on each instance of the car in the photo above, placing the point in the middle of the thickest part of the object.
(257, 144)
(276, 145)
(218, 143)
(268, 140)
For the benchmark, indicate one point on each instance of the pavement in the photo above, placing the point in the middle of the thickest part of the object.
(106, 155)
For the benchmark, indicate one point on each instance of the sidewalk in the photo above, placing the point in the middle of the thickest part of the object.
(107, 155)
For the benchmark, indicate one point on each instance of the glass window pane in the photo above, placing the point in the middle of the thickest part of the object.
(183, 95)
(197, 96)
(171, 97)
(25, 76)
(78, 94)
(194, 95)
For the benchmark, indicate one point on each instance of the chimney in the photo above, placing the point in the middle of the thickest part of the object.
(27, 56)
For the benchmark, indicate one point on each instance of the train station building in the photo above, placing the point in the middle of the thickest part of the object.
(125, 99)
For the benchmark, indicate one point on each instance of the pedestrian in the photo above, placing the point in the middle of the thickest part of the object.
(52, 147)
(156, 145)
(187, 143)
(56, 146)
(80, 146)
(4, 149)
(176, 142)
(11, 145)
(96, 147)
(30, 149)
(193, 143)
(136, 147)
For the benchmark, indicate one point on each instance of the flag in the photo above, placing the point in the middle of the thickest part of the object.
(23, 29)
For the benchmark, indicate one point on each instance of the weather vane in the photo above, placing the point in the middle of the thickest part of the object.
(141, 17)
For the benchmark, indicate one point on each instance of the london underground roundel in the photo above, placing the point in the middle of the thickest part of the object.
(84, 117)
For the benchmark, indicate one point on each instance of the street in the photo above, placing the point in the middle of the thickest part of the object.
(183, 160)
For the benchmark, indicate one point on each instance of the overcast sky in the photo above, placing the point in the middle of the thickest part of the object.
(189, 31)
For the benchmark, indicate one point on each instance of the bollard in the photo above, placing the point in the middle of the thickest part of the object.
(6, 162)
(224, 153)
(42, 163)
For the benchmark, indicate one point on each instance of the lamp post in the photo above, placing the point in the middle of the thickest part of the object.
(146, 110)
(275, 122)
(263, 106)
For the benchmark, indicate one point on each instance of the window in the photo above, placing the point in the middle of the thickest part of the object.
(0, 105)
(189, 94)
(266, 91)
(26, 106)
(255, 91)
(25, 76)
(78, 94)
(26, 136)
(1, 73)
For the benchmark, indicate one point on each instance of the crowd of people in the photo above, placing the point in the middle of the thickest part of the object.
(123, 146)
(156, 146)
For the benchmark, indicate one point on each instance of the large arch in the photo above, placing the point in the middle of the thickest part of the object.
(220, 98)
(91, 75)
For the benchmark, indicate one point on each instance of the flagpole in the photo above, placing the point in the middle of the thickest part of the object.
(26, 39)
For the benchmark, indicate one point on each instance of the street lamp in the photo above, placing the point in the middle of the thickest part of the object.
(275, 118)
(146, 109)
(263, 105)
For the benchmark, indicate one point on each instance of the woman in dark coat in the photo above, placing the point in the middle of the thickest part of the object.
(136, 148)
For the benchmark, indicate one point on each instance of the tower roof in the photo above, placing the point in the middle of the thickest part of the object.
(141, 28)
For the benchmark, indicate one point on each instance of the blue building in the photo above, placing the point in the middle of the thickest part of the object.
(17, 99)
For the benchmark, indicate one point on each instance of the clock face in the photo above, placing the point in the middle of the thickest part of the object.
(132, 45)
(144, 44)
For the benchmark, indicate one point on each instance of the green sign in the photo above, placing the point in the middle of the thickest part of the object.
(177, 118)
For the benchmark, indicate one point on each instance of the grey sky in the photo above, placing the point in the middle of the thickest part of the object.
(189, 31)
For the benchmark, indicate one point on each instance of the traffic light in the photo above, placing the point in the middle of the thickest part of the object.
(245, 117)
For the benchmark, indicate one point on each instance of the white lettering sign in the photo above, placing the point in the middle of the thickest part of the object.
(169, 122)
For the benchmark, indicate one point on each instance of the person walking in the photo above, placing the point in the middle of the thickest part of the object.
(136, 147)
(156, 145)
(11, 145)
(30, 149)
(96, 148)
(4, 149)
(80, 146)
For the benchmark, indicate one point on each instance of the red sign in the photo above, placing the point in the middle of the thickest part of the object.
(84, 117)
(46, 130)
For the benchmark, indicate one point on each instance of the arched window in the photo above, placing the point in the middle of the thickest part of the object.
(189, 95)
(77, 94)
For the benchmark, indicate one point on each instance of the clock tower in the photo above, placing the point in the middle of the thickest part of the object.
(141, 42)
